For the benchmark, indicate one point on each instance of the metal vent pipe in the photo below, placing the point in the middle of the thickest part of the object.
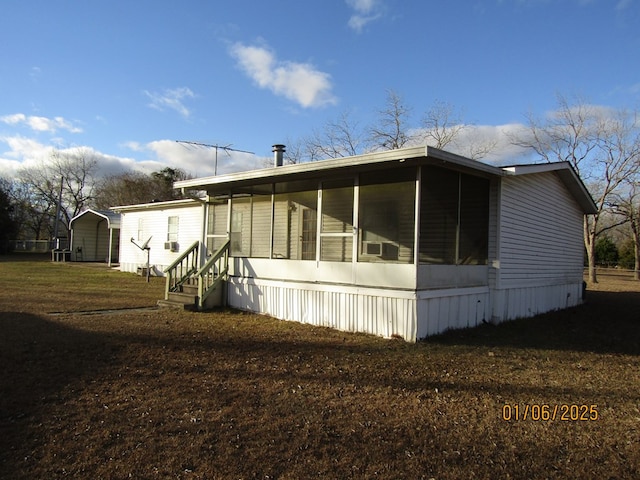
(278, 154)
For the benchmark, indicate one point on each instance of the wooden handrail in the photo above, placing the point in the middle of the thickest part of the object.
(213, 272)
(181, 269)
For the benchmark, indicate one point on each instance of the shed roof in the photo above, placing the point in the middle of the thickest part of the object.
(112, 218)
(423, 155)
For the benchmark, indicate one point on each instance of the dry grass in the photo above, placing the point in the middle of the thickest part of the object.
(164, 394)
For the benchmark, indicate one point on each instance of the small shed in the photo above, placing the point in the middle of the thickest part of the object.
(95, 236)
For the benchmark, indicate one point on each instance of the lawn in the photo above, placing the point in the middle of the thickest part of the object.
(91, 390)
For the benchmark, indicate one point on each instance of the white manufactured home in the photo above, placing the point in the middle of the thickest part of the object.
(405, 243)
(161, 230)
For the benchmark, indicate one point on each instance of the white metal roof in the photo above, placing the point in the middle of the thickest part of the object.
(187, 202)
(112, 218)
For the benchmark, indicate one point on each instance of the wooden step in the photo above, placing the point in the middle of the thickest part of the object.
(181, 300)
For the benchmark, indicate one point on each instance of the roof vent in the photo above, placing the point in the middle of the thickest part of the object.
(278, 154)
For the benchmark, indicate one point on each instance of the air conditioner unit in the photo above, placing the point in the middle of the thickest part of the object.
(372, 248)
(173, 246)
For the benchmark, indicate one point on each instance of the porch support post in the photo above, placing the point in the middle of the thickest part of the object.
(416, 227)
(356, 222)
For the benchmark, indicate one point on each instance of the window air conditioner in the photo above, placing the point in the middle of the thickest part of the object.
(173, 246)
(373, 248)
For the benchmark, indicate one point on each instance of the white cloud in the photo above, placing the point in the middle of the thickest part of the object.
(365, 11)
(300, 82)
(171, 98)
(623, 5)
(40, 124)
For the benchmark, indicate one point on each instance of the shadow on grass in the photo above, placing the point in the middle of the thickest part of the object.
(607, 323)
(45, 365)
(41, 364)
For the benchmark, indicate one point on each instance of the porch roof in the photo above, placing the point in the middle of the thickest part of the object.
(335, 168)
(255, 181)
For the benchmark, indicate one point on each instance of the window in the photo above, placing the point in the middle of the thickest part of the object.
(141, 230)
(172, 229)
(454, 218)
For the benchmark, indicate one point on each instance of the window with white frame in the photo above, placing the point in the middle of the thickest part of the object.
(141, 230)
(172, 229)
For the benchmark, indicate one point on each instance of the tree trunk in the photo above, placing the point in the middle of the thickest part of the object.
(636, 250)
(590, 246)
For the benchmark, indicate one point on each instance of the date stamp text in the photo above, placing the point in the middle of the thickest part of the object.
(545, 413)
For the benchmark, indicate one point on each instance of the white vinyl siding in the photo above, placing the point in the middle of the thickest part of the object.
(540, 237)
(191, 218)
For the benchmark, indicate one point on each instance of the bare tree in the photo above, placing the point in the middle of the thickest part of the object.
(339, 138)
(69, 177)
(596, 142)
(566, 135)
(628, 207)
(390, 132)
(441, 124)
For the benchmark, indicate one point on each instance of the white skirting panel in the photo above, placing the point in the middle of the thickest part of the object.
(352, 309)
(441, 310)
(512, 303)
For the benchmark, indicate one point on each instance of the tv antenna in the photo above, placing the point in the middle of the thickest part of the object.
(226, 148)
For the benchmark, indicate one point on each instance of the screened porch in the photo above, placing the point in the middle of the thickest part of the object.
(406, 227)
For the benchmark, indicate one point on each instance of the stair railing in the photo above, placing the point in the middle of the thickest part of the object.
(181, 269)
(212, 273)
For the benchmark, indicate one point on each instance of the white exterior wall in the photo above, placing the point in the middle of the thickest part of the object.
(155, 225)
(539, 248)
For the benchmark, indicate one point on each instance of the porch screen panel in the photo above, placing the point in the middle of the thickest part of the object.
(336, 239)
(295, 225)
(474, 221)
(240, 234)
(260, 226)
(387, 213)
(217, 226)
(439, 215)
(454, 218)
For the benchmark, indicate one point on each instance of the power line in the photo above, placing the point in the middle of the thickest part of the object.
(226, 148)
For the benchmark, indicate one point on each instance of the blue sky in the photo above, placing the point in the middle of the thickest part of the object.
(126, 79)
